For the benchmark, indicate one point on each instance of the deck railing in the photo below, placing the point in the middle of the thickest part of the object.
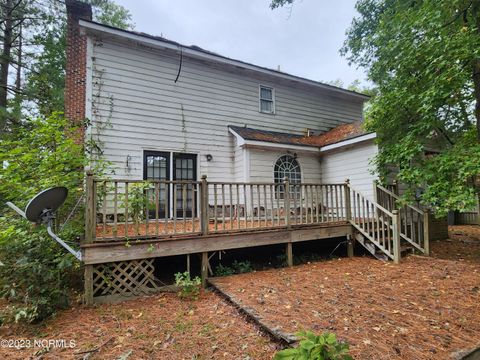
(413, 222)
(379, 225)
(134, 210)
(120, 209)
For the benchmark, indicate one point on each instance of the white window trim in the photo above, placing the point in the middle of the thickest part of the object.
(281, 182)
(260, 86)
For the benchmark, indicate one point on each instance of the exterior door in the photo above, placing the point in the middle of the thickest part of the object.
(185, 169)
(157, 167)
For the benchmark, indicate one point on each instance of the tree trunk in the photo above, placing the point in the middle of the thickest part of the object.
(5, 60)
(476, 69)
(476, 83)
(18, 81)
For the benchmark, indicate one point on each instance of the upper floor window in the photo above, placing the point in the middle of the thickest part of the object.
(267, 100)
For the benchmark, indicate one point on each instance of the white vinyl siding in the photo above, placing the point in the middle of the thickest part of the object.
(351, 163)
(133, 90)
(262, 164)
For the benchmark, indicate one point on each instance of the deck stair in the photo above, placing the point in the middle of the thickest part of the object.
(386, 230)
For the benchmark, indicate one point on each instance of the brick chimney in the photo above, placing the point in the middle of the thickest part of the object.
(76, 66)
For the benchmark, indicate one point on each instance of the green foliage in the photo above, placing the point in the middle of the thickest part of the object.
(109, 13)
(313, 347)
(137, 202)
(422, 57)
(46, 79)
(238, 267)
(37, 272)
(241, 267)
(189, 288)
(279, 3)
(45, 153)
(222, 270)
(45, 75)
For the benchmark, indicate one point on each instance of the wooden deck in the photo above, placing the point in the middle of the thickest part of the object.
(129, 223)
(182, 244)
(167, 229)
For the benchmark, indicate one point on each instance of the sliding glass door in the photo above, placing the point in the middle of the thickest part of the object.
(159, 165)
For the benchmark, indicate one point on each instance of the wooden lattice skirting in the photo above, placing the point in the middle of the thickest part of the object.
(125, 278)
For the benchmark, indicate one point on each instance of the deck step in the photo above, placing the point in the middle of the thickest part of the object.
(370, 247)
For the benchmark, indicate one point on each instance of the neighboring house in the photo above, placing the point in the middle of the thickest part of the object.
(178, 112)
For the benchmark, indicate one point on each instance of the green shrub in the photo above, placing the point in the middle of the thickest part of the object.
(238, 267)
(36, 273)
(222, 270)
(316, 347)
(137, 202)
(189, 288)
(241, 267)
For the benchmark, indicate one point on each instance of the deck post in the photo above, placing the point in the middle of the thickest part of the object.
(348, 205)
(89, 234)
(478, 208)
(376, 198)
(426, 232)
(89, 208)
(396, 236)
(204, 269)
(204, 205)
(395, 187)
(286, 191)
(289, 254)
(349, 246)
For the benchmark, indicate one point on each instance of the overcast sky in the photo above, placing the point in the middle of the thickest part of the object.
(304, 40)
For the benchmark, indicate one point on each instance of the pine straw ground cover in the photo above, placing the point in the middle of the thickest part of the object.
(421, 309)
(153, 327)
(424, 308)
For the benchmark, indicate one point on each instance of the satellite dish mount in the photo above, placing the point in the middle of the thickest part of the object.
(41, 210)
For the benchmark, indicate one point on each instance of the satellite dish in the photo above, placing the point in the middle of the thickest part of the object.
(45, 203)
(41, 209)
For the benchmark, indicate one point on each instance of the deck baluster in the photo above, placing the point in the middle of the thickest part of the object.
(223, 206)
(115, 209)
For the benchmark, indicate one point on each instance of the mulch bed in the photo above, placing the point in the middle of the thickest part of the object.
(154, 327)
(421, 309)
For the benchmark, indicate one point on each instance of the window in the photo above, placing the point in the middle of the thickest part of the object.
(267, 101)
(287, 166)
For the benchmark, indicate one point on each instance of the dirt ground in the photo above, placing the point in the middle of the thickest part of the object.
(424, 308)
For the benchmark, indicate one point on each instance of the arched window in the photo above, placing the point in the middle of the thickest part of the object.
(287, 166)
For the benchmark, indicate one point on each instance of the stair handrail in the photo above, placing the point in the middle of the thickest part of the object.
(388, 242)
(396, 197)
(421, 236)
